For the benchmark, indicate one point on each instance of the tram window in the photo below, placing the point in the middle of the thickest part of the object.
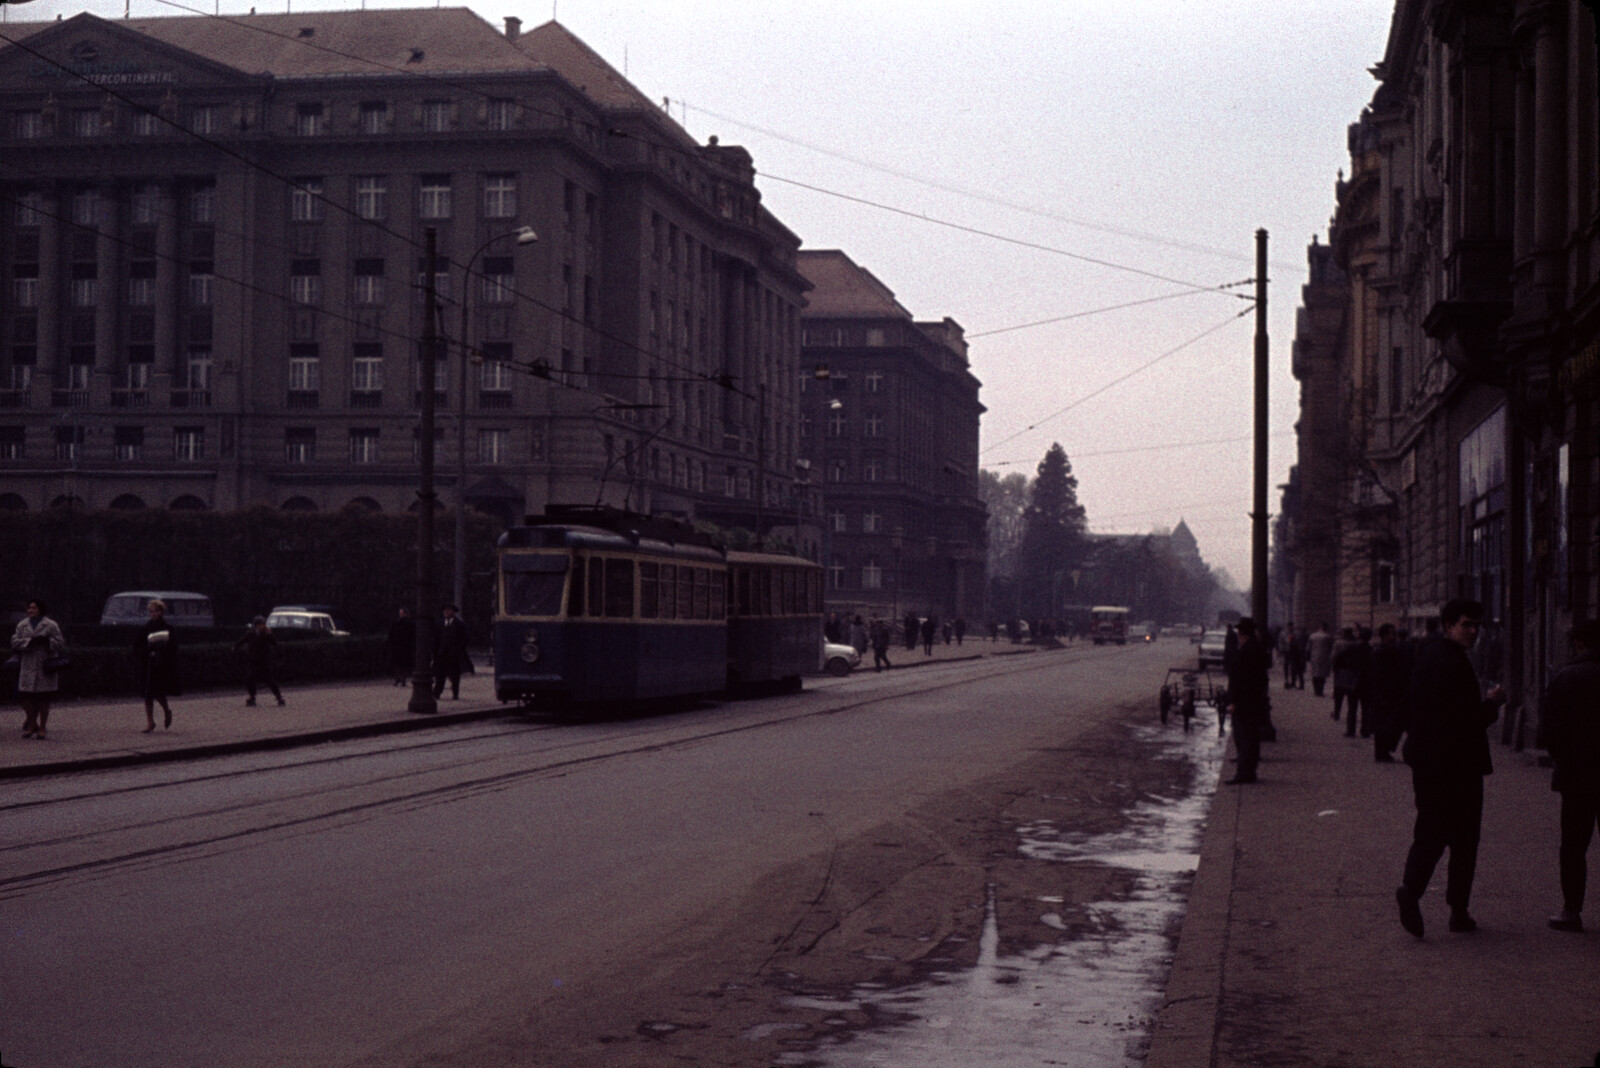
(575, 602)
(764, 592)
(788, 592)
(648, 603)
(619, 588)
(533, 585)
(719, 589)
(702, 593)
(597, 586)
(669, 591)
(745, 607)
(816, 592)
(685, 592)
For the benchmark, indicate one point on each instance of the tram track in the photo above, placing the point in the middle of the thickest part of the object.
(551, 759)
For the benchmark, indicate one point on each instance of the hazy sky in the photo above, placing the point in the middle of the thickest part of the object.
(1152, 136)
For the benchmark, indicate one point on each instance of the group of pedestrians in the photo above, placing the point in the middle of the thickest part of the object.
(451, 640)
(1429, 692)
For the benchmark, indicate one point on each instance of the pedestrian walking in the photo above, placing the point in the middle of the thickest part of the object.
(930, 627)
(1347, 678)
(858, 635)
(259, 645)
(1247, 700)
(450, 655)
(1449, 755)
(961, 629)
(1390, 686)
(880, 644)
(155, 663)
(36, 641)
(1319, 653)
(912, 629)
(401, 647)
(1570, 714)
(994, 630)
(1295, 661)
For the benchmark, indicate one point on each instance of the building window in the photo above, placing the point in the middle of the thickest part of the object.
(495, 376)
(871, 523)
(871, 471)
(368, 286)
(86, 208)
(434, 196)
(201, 282)
(141, 291)
(499, 283)
(86, 122)
(308, 120)
(502, 115)
(436, 116)
(144, 205)
(147, 124)
(204, 119)
(837, 521)
(305, 281)
(76, 376)
(372, 196)
(836, 424)
(305, 373)
(305, 200)
(25, 292)
(494, 446)
(837, 471)
(83, 292)
(874, 382)
(128, 442)
(441, 282)
(188, 443)
(875, 337)
(364, 446)
(871, 575)
(299, 444)
(366, 368)
(1483, 499)
(69, 442)
(13, 443)
(29, 125)
(500, 196)
(872, 426)
(203, 204)
(374, 117)
(30, 208)
(1383, 582)
(197, 376)
(836, 576)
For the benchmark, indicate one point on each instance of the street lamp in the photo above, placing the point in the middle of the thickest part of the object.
(524, 236)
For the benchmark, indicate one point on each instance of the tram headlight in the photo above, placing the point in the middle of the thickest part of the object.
(530, 646)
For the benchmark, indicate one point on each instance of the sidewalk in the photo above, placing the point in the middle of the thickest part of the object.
(109, 732)
(1292, 953)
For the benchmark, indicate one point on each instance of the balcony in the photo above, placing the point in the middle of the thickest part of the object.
(69, 398)
(440, 399)
(494, 400)
(301, 399)
(366, 399)
(191, 398)
(13, 398)
(130, 398)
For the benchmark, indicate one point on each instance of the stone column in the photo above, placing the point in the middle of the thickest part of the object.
(52, 254)
(168, 369)
(108, 278)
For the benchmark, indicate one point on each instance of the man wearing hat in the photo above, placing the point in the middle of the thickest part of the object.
(450, 653)
(259, 646)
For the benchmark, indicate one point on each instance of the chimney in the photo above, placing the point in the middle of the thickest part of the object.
(513, 27)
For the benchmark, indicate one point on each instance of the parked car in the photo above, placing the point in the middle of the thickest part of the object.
(131, 608)
(325, 609)
(1213, 643)
(314, 622)
(839, 659)
(1141, 632)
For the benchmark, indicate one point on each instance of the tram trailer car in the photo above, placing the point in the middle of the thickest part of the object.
(774, 619)
(590, 614)
(593, 615)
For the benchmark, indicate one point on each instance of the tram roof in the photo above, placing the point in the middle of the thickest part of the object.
(579, 536)
(770, 559)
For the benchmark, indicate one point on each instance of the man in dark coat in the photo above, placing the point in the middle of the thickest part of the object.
(1247, 699)
(259, 644)
(911, 630)
(1570, 716)
(930, 627)
(401, 647)
(450, 654)
(1391, 684)
(1449, 755)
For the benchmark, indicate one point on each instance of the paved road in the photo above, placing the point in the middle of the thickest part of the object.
(471, 895)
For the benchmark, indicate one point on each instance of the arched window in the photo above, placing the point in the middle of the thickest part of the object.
(299, 504)
(366, 504)
(127, 503)
(11, 502)
(188, 503)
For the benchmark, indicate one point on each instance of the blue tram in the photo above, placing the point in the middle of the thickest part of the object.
(599, 606)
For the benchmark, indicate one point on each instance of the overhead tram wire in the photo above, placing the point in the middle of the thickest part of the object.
(1118, 381)
(1145, 448)
(1092, 311)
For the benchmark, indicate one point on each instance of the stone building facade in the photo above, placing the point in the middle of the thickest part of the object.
(214, 261)
(1447, 341)
(890, 434)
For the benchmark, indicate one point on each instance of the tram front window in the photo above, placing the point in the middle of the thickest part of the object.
(533, 585)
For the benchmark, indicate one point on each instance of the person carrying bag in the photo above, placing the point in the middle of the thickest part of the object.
(41, 655)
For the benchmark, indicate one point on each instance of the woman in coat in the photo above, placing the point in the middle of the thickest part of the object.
(36, 639)
(155, 660)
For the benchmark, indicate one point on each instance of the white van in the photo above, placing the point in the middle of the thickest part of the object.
(132, 608)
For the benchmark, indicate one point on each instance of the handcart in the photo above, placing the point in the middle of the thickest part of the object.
(1186, 688)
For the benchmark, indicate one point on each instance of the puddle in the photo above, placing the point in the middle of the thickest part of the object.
(1087, 1000)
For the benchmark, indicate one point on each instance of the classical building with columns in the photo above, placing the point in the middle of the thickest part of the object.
(214, 258)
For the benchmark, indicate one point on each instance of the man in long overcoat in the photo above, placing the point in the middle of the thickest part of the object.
(1449, 755)
(450, 653)
(1570, 715)
(1247, 699)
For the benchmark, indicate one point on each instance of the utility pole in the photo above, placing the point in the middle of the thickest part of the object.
(422, 673)
(1258, 525)
(761, 460)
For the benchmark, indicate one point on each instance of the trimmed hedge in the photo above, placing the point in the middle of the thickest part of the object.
(217, 666)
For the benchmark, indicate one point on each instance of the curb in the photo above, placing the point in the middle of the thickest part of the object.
(1185, 1032)
(253, 745)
